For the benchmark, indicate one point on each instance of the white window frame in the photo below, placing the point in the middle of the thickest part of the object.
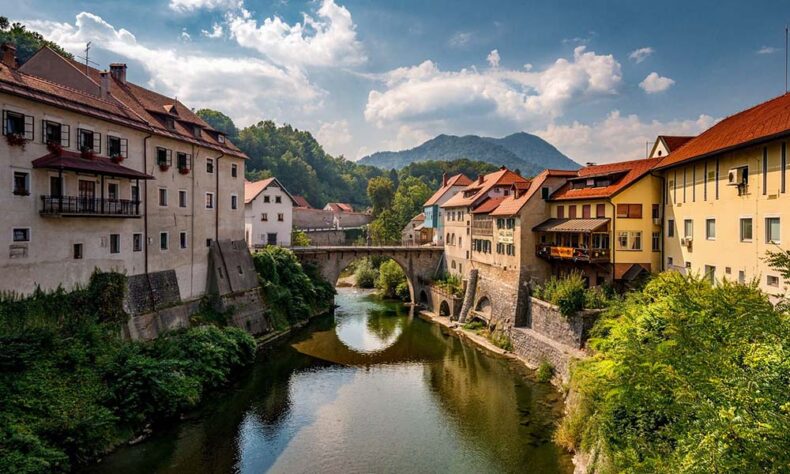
(159, 197)
(740, 229)
(213, 165)
(707, 230)
(234, 201)
(119, 244)
(686, 234)
(82, 251)
(134, 235)
(183, 192)
(213, 203)
(28, 181)
(768, 228)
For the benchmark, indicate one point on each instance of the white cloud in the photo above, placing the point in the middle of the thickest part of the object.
(334, 136)
(654, 83)
(639, 55)
(460, 39)
(328, 38)
(187, 6)
(185, 35)
(243, 87)
(216, 32)
(493, 58)
(767, 50)
(424, 92)
(617, 137)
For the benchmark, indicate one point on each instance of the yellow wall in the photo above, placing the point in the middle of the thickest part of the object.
(456, 253)
(726, 252)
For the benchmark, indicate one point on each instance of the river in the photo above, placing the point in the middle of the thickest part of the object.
(372, 389)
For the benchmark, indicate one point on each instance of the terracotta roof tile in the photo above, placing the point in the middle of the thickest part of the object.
(253, 188)
(302, 202)
(761, 122)
(675, 142)
(457, 180)
(72, 161)
(512, 205)
(631, 170)
(503, 177)
(488, 205)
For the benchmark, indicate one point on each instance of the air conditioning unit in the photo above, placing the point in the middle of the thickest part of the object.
(737, 176)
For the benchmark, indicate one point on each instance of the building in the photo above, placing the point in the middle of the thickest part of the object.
(301, 202)
(726, 197)
(268, 213)
(338, 207)
(107, 174)
(605, 222)
(331, 227)
(665, 144)
(458, 215)
(415, 232)
(432, 207)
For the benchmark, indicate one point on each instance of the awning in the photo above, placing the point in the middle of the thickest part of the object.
(571, 225)
(630, 271)
(72, 161)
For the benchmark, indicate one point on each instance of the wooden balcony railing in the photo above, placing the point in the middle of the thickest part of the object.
(555, 252)
(74, 206)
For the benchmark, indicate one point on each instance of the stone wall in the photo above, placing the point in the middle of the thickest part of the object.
(506, 292)
(535, 349)
(573, 330)
(436, 296)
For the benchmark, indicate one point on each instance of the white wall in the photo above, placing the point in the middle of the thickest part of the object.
(256, 229)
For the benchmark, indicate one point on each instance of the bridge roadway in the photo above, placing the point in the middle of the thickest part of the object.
(420, 264)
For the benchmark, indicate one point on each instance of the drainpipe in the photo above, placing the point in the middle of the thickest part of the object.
(216, 194)
(614, 235)
(145, 202)
(192, 224)
(661, 210)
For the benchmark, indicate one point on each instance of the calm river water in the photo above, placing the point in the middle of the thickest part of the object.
(371, 390)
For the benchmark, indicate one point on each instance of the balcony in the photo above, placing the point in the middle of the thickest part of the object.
(74, 206)
(574, 254)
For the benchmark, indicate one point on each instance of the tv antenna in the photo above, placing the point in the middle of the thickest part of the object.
(787, 32)
(88, 62)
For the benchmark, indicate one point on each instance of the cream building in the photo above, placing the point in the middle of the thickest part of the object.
(106, 174)
(726, 197)
(268, 213)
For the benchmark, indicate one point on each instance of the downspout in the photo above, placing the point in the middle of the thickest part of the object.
(216, 203)
(192, 225)
(661, 210)
(614, 235)
(145, 203)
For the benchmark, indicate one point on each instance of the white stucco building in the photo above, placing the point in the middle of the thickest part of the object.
(268, 213)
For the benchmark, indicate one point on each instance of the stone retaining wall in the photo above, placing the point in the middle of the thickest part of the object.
(573, 330)
(535, 349)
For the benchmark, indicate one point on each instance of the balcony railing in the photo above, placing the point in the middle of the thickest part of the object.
(74, 206)
(578, 254)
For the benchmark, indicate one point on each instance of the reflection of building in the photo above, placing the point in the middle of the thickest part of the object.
(605, 222)
(415, 232)
(726, 197)
(268, 213)
(108, 175)
(432, 208)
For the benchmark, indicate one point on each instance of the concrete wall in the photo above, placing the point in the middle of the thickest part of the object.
(256, 230)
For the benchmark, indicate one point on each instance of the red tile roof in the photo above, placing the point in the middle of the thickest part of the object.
(253, 188)
(512, 204)
(762, 122)
(631, 171)
(302, 202)
(488, 205)
(72, 161)
(457, 180)
(674, 142)
(477, 190)
(340, 207)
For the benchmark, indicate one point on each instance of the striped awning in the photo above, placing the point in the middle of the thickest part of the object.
(571, 225)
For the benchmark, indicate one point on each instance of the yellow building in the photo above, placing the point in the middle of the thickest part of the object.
(726, 197)
(605, 222)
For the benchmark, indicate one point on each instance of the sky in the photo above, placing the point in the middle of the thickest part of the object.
(596, 79)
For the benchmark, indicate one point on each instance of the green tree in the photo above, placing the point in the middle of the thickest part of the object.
(220, 122)
(27, 42)
(391, 279)
(299, 238)
(380, 194)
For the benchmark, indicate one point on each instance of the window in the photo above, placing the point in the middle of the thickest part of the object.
(88, 140)
(560, 212)
(55, 186)
(117, 147)
(688, 228)
(182, 198)
(265, 218)
(782, 176)
(163, 197)
(135, 193)
(544, 192)
(266, 199)
(22, 234)
(656, 212)
(183, 161)
(209, 165)
(572, 212)
(164, 240)
(656, 242)
(56, 133)
(196, 131)
(164, 157)
(170, 123)
(280, 217)
(182, 239)
(710, 273)
(772, 234)
(772, 280)
(137, 242)
(600, 210)
(278, 199)
(629, 240)
(115, 243)
(746, 229)
(741, 277)
(629, 211)
(670, 262)
(21, 183)
(112, 191)
(209, 200)
(234, 170)
(234, 201)
(221, 138)
(710, 229)
(77, 251)
(17, 124)
(670, 227)
(586, 211)
(208, 242)
(271, 238)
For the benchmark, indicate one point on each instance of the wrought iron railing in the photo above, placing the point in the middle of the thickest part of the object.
(87, 206)
(551, 251)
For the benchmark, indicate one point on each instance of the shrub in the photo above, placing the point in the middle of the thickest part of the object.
(501, 339)
(570, 295)
(365, 274)
(545, 371)
(299, 238)
(474, 325)
(391, 278)
(451, 284)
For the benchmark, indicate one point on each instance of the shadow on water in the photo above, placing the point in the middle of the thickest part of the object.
(370, 389)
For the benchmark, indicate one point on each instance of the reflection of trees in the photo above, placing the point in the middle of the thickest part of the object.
(384, 324)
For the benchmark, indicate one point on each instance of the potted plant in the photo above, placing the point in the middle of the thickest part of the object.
(87, 153)
(183, 170)
(116, 158)
(16, 139)
(164, 167)
(54, 148)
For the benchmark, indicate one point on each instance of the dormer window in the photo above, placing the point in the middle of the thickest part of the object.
(170, 123)
(196, 131)
(221, 138)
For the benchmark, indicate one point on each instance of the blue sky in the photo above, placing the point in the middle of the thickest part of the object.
(597, 79)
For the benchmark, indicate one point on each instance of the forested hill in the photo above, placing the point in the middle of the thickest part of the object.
(522, 151)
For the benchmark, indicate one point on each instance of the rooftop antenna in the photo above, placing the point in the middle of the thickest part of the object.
(87, 57)
(787, 29)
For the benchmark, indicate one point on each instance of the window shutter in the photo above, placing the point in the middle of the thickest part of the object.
(5, 122)
(97, 142)
(124, 148)
(169, 157)
(189, 161)
(43, 131)
(29, 127)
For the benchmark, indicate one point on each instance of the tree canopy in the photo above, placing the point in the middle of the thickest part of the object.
(27, 42)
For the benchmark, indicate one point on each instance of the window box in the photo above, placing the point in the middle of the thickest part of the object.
(183, 170)
(88, 153)
(20, 192)
(163, 167)
(116, 158)
(55, 148)
(15, 139)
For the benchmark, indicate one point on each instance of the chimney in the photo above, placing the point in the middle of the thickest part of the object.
(9, 55)
(444, 179)
(118, 71)
(104, 86)
(480, 179)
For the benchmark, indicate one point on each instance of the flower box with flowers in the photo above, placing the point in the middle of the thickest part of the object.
(183, 170)
(117, 158)
(16, 139)
(87, 153)
(54, 148)
(164, 167)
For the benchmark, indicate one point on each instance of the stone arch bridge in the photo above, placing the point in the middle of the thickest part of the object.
(420, 264)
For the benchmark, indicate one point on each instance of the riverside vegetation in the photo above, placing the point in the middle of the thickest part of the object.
(71, 388)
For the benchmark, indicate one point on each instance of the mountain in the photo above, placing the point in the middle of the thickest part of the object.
(528, 153)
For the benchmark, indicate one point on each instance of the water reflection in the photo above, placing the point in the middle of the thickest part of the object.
(372, 390)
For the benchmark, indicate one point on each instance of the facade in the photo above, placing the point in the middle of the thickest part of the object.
(338, 207)
(434, 217)
(415, 232)
(665, 144)
(268, 213)
(726, 197)
(605, 222)
(106, 174)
